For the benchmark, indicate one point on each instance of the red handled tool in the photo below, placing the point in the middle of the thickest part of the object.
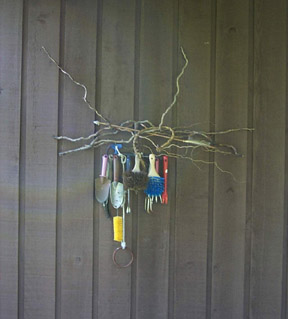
(157, 162)
(165, 175)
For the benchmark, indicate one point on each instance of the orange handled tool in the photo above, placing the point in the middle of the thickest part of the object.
(165, 175)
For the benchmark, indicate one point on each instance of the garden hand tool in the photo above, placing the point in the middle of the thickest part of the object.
(123, 247)
(165, 174)
(102, 186)
(157, 167)
(136, 179)
(128, 168)
(116, 189)
(155, 185)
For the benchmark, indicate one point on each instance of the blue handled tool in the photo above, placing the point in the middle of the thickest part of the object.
(115, 147)
(155, 185)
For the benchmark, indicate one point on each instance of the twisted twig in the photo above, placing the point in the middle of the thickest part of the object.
(183, 139)
(77, 83)
(177, 91)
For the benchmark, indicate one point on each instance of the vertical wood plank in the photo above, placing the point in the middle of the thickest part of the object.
(38, 159)
(270, 32)
(172, 169)
(135, 206)
(117, 104)
(192, 183)
(97, 163)
(155, 94)
(76, 172)
(39, 152)
(284, 310)
(10, 95)
(249, 155)
(230, 195)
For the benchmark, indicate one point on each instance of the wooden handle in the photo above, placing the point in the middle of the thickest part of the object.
(110, 163)
(136, 168)
(115, 168)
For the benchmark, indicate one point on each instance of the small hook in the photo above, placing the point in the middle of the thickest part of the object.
(122, 156)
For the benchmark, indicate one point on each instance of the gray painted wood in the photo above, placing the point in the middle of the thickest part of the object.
(192, 184)
(155, 94)
(117, 104)
(249, 176)
(39, 160)
(230, 191)
(76, 180)
(97, 165)
(217, 250)
(10, 95)
(268, 178)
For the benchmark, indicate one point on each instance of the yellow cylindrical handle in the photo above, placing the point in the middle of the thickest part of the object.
(118, 228)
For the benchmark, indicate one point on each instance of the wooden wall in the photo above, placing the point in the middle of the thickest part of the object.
(219, 249)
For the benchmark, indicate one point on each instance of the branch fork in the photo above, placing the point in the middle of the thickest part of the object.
(180, 142)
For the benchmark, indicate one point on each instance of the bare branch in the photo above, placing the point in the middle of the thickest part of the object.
(177, 91)
(178, 142)
(75, 82)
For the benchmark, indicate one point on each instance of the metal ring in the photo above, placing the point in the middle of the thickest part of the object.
(114, 257)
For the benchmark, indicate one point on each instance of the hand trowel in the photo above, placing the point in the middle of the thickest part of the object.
(102, 185)
(116, 188)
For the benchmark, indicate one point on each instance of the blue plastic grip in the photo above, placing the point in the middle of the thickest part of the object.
(128, 163)
(113, 146)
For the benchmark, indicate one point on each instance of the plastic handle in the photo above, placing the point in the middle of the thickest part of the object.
(115, 168)
(165, 165)
(157, 162)
(165, 174)
(104, 165)
(115, 146)
(152, 170)
(108, 169)
(128, 163)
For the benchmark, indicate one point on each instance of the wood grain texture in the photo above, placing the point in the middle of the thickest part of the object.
(218, 250)
(192, 184)
(117, 104)
(40, 113)
(230, 191)
(135, 206)
(97, 165)
(76, 172)
(250, 159)
(269, 155)
(155, 94)
(10, 95)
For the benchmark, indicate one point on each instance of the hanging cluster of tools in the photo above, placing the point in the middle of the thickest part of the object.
(113, 186)
(117, 180)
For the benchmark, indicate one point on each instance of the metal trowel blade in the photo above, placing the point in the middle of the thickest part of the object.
(102, 186)
(116, 194)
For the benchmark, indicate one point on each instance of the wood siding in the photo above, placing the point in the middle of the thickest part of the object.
(219, 249)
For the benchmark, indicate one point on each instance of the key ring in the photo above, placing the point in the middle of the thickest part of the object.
(115, 253)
